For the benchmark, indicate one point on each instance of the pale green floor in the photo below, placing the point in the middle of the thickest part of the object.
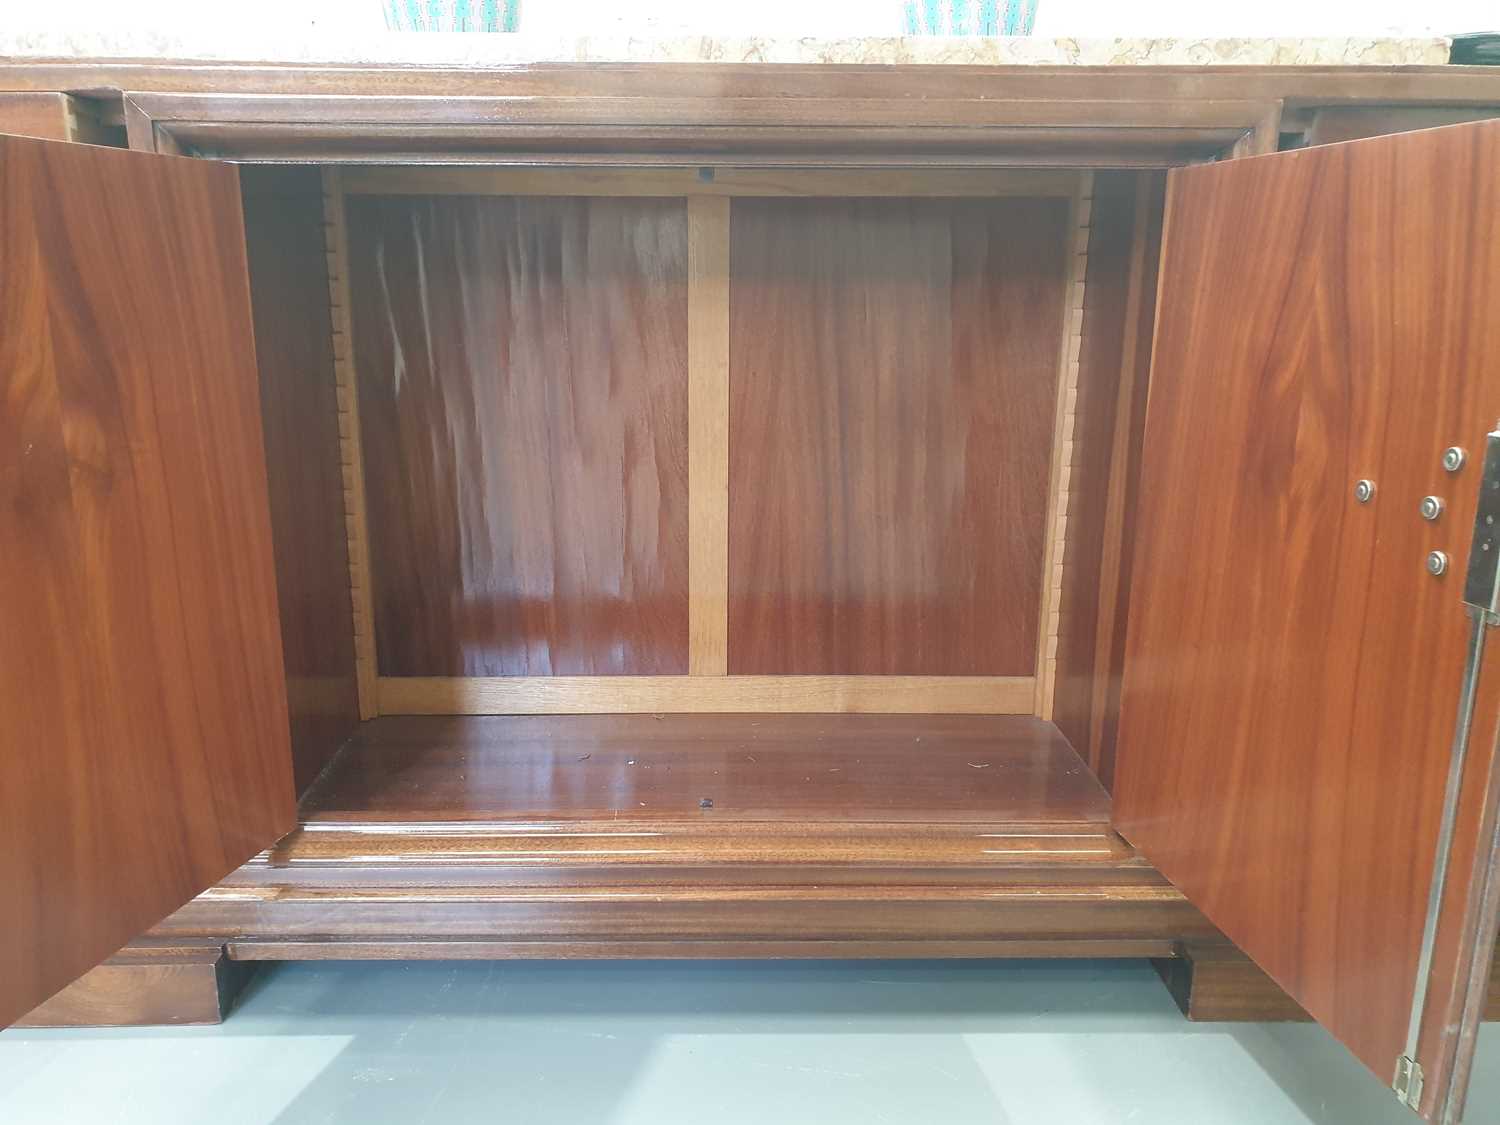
(711, 1043)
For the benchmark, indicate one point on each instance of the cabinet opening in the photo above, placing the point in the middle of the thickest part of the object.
(779, 498)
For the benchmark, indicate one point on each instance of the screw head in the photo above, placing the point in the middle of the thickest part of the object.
(1364, 491)
(1432, 507)
(1454, 458)
(1437, 563)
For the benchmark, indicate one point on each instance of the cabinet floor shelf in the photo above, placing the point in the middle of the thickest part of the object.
(715, 771)
(699, 835)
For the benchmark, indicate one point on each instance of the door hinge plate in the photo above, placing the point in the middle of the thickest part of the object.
(1482, 582)
(1408, 1083)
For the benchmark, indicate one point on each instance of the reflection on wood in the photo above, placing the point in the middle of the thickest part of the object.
(523, 398)
(893, 377)
(145, 748)
(710, 767)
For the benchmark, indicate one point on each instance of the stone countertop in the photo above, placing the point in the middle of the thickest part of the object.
(480, 51)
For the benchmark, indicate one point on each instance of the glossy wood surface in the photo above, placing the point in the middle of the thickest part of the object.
(709, 768)
(1292, 669)
(146, 749)
(299, 414)
(587, 837)
(523, 403)
(893, 381)
(1104, 461)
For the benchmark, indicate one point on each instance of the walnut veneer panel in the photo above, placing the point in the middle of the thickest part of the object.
(146, 750)
(522, 367)
(819, 768)
(299, 412)
(1292, 670)
(893, 382)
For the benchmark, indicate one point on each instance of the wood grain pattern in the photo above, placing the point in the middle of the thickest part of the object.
(149, 983)
(1065, 407)
(395, 180)
(141, 677)
(351, 441)
(1217, 983)
(1109, 408)
(522, 368)
(540, 695)
(44, 115)
(1292, 670)
(814, 768)
(893, 368)
(708, 436)
(283, 210)
(1303, 85)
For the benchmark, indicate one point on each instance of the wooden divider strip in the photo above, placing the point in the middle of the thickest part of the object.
(1062, 445)
(350, 455)
(708, 436)
(544, 695)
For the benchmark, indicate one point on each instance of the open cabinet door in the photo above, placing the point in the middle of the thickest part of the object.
(144, 711)
(1295, 666)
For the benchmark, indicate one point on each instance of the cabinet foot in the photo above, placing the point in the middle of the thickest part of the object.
(1219, 983)
(148, 983)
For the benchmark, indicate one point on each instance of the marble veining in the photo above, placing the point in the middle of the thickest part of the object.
(479, 51)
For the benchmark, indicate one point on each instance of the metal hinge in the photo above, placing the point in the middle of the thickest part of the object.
(1408, 1083)
(1482, 605)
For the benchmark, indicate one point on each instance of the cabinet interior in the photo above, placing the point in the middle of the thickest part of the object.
(686, 495)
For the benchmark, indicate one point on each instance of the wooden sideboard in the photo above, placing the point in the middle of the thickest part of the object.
(754, 511)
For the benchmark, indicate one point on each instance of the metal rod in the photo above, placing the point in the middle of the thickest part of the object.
(1457, 758)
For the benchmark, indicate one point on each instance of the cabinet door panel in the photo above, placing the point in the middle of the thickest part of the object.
(1293, 670)
(146, 742)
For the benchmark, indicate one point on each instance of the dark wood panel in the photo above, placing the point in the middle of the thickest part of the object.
(299, 413)
(1109, 420)
(893, 377)
(140, 670)
(1293, 670)
(709, 768)
(522, 368)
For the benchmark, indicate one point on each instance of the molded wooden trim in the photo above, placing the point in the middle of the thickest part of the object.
(482, 949)
(540, 695)
(398, 180)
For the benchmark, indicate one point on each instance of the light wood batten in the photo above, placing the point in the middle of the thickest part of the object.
(582, 695)
(708, 436)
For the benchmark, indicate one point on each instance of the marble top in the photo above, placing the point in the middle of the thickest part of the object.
(480, 51)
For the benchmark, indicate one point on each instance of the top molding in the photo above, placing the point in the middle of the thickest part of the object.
(486, 51)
